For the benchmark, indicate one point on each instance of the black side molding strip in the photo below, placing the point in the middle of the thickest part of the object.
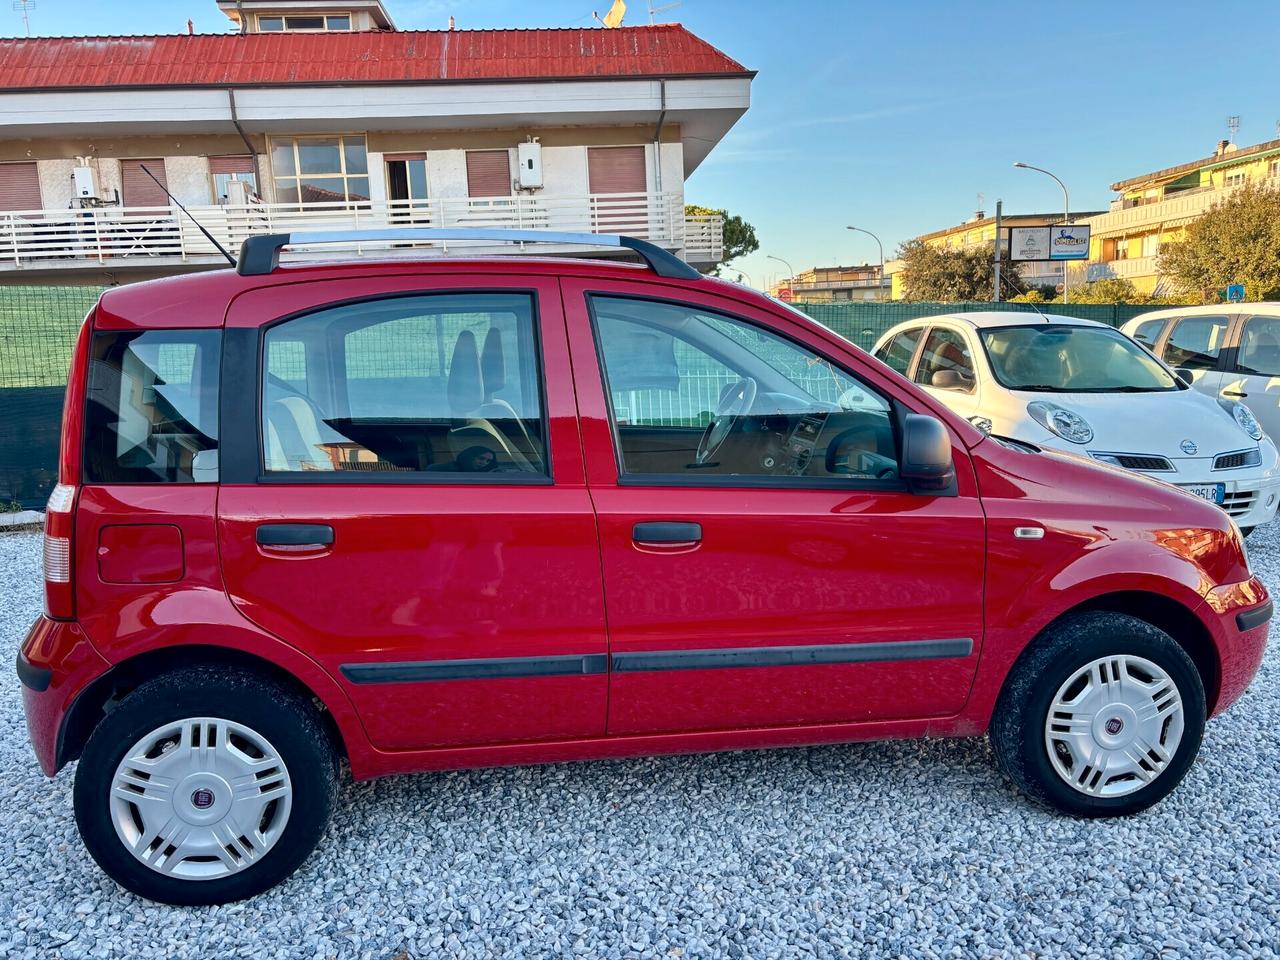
(419, 671)
(1256, 617)
(36, 678)
(800, 656)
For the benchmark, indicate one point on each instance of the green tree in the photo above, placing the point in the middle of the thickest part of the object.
(1236, 241)
(1108, 290)
(948, 276)
(739, 236)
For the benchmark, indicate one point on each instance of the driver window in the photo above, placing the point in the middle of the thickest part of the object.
(946, 362)
(695, 394)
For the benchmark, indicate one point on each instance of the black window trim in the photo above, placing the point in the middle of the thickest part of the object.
(260, 475)
(749, 481)
(95, 332)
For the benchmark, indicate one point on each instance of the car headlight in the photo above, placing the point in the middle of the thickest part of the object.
(1245, 419)
(1065, 423)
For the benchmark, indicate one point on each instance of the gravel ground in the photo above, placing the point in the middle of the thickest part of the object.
(913, 849)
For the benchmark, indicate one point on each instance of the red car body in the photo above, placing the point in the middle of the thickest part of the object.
(169, 574)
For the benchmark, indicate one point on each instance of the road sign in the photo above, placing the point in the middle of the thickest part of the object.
(1062, 241)
(784, 294)
(1235, 293)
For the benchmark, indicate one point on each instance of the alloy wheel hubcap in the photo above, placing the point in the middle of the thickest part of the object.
(200, 798)
(1114, 726)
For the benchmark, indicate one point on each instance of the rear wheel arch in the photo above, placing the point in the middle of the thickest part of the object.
(96, 700)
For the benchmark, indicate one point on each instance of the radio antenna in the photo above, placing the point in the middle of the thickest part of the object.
(25, 7)
(199, 226)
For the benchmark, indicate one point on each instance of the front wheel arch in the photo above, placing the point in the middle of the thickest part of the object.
(96, 700)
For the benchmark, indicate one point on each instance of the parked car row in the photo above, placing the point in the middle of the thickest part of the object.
(1084, 387)
(450, 513)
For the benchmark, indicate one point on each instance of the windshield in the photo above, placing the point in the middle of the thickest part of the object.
(1069, 359)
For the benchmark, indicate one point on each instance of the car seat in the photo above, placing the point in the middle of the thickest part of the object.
(465, 392)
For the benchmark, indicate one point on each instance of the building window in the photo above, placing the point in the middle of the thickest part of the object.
(226, 169)
(138, 189)
(488, 173)
(320, 170)
(314, 24)
(1273, 170)
(1234, 179)
(1151, 245)
(19, 186)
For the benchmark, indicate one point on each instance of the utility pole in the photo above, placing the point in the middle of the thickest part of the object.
(995, 294)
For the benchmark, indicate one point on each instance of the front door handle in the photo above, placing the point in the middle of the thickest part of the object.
(668, 533)
(295, 536)
(1234, 393)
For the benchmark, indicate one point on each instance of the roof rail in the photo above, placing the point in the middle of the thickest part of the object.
(261, 254)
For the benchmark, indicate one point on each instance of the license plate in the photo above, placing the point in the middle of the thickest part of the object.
(1213, 492)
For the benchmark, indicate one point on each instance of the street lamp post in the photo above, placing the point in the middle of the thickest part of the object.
(880, 278)
(791, 278)
(1066, 218)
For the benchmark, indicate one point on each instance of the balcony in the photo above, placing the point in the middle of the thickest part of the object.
(1179, 208)
(1117, 269)
(160, 238)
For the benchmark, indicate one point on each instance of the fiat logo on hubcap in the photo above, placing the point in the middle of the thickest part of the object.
(202, 799)
(1114, 726)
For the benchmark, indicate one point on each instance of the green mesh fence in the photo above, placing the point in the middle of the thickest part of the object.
(38, 328)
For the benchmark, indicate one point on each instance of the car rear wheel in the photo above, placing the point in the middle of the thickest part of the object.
(205, 786)
(1102, 716)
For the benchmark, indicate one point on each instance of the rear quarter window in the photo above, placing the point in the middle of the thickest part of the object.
(152, 407)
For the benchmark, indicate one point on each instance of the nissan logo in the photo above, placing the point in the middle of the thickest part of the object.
(1189, 448)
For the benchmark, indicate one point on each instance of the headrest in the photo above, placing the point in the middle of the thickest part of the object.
(493, 364)
(465, 389)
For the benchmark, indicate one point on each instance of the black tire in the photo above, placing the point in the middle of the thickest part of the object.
(1018, 725)
(290, 723)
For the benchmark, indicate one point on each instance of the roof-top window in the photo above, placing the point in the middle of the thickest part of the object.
(304, 24)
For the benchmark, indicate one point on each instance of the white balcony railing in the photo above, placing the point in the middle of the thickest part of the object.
(144, 235)
(1179, 208)
(1122, 269)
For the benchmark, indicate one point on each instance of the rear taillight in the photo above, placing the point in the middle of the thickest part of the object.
(59, 523)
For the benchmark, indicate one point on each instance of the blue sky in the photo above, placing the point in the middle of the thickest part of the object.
(895, 116)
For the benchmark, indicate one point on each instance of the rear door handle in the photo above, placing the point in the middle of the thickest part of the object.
(295, 536)
(1234, 393)
(667, 532)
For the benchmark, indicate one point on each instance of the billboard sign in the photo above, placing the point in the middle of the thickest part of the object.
(1069, 242)
(1029, 243)
(1059, 242)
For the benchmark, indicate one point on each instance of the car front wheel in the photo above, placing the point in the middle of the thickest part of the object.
(205, 786)
(1101, 717)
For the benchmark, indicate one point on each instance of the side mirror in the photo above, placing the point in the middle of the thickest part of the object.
(927, 466)
(1186, 374)
(950, 380)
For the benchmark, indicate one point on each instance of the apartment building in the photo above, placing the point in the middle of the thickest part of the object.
(321, 114)
(833, 284)
(1153, 209)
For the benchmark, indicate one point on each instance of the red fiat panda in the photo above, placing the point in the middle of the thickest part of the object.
(449, 513)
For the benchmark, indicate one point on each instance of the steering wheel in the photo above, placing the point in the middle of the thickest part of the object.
(735, 403)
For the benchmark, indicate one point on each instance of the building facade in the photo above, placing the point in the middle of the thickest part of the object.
(980, 232)
(1153, 209)
(320, 114)
(833, 284)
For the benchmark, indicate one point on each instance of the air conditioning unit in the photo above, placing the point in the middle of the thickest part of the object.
(84, 183)
(529, 157)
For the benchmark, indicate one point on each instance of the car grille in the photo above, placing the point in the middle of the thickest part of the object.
(1241, 458)
(1239, 502)
(1138, 461)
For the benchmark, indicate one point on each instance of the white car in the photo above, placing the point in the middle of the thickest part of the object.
(1086, 388)
(1229, 350)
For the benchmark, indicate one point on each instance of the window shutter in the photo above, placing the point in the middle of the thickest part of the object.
(218, 165)
(616, 169)
(488, 173)
(19, 187)
(139, 190)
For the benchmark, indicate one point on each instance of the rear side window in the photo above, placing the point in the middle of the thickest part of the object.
(432, 384)
(152, 409)
(946, 362)
(1196, 342)
(1147, 332)
(898, 352)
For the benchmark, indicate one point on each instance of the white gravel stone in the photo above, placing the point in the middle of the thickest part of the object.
(910, 849)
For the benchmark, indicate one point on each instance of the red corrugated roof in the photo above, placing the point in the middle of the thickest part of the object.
(665, 50)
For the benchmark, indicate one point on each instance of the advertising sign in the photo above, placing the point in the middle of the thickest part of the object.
(1029, 243)
(1069, 242)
